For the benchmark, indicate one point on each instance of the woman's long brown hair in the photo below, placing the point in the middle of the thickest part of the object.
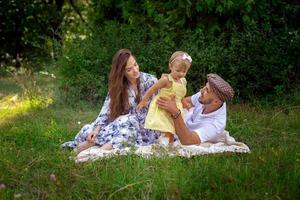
(118, 85)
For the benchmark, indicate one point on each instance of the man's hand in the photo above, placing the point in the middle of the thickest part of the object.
(186, 137)
(167, 104)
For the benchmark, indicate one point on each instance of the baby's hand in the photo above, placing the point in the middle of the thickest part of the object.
(186, 104)
(141, 105)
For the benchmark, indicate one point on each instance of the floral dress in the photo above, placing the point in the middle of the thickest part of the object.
(126, 130)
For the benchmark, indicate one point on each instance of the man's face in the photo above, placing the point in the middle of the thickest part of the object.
(207, 95)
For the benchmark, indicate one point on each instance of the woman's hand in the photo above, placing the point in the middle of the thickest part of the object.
(141, 105)
(91, 136)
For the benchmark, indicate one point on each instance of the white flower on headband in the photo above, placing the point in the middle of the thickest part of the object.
(187, 57)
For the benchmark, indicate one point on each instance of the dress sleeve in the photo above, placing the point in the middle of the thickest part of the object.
(146, 82)
(184, 81)
(102, 119)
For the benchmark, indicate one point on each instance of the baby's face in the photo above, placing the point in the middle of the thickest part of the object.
(178, 69)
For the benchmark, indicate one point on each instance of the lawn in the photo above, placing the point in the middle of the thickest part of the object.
(32, 166)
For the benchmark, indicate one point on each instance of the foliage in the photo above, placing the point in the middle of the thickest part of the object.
(83, 71)
(255, 46)
(255, 63)
(33, 31)
(210, 15)
(86, 64)
(29, 26)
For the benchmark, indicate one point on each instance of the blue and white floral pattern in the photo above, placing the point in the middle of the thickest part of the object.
(126, 130)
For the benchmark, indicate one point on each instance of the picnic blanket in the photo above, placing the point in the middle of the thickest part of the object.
(225, 143)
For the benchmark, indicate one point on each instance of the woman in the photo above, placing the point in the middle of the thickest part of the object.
(119, 123)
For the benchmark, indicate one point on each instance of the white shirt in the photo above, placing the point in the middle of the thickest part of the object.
(209, 127)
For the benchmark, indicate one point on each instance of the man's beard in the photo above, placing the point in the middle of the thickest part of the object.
(206, 102)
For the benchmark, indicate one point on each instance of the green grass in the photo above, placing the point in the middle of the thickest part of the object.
(32, 130)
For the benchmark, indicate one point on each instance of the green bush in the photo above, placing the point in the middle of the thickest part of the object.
(258, 63)
(86, 63)
(255, 63)
(82, 69)
(255, 46)
(29, 28)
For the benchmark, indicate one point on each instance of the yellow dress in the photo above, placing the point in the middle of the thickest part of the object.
(160, 120)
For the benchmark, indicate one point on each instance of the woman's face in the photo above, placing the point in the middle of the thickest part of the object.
(132, 71)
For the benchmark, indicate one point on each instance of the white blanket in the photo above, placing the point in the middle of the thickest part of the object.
(226, 143)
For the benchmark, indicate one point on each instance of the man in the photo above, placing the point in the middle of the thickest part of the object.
(206, 121)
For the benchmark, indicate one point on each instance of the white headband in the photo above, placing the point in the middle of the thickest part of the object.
(187, 57)
(183, 57)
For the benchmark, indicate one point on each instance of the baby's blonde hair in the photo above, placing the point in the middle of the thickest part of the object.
(182, 56)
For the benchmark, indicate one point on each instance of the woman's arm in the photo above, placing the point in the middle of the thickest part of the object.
(161, 83)
(102, 119)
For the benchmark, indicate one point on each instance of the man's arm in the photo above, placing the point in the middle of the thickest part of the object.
(185, 136)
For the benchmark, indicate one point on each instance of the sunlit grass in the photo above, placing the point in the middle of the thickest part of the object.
(14, 105)
(8, 86)
(21, 93)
